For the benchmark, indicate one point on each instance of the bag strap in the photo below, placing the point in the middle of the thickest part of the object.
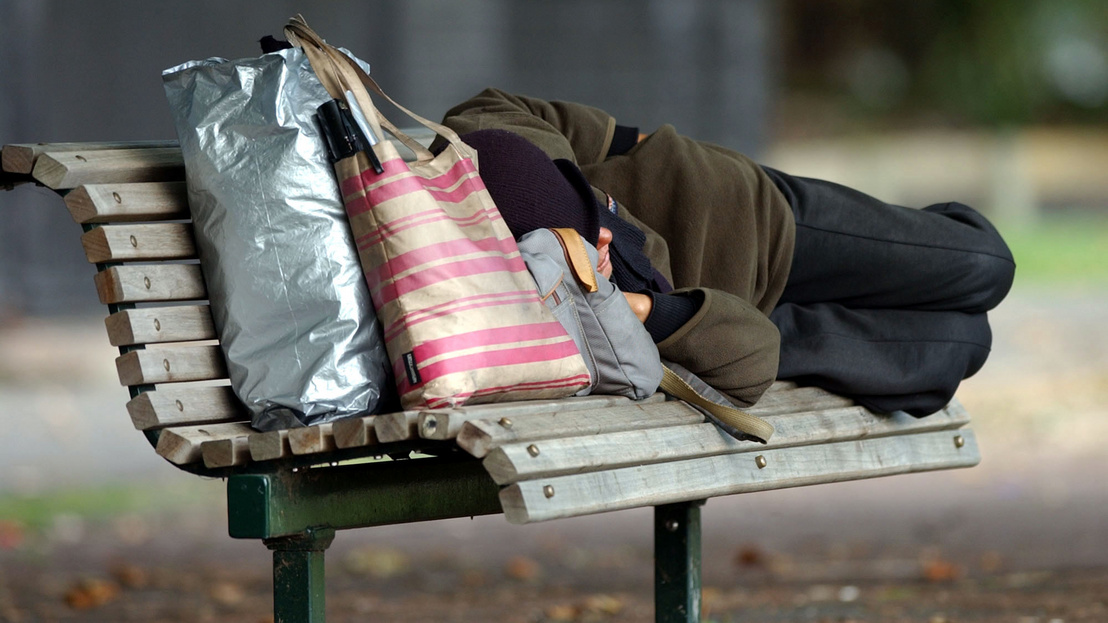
(577, 257)
(729, 417)
(737, 423)
(339, 73)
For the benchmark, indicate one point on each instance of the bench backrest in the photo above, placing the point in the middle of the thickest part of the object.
(131, 200)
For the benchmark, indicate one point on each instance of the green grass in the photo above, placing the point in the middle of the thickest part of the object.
(1070, 251)
(103, 502)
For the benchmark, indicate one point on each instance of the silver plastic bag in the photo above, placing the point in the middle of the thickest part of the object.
(288, 298)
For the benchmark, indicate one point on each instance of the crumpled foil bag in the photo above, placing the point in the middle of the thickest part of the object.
(288, 297)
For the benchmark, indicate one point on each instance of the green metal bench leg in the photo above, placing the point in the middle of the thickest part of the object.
(298, 586)
(677, 562)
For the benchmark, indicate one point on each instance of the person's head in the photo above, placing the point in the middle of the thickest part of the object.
(534, 192)
(531, 190)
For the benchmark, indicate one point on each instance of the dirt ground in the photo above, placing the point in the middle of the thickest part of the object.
(1021, 538)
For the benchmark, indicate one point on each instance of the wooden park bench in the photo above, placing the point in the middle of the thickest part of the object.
(531, 461)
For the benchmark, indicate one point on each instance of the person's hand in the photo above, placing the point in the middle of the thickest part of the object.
(641, 304)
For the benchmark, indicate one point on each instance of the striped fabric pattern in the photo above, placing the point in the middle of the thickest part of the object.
(462, 320)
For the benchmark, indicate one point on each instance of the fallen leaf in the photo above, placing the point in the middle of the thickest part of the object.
(604, 604)
(750, 556)
(11, 534)
(377, 562)
(561, 612)
(91, 593)
(522, 568)
(939, 570)
(129, 575)
(227, 594)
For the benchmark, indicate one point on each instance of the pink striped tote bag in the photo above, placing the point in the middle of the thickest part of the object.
(462, 319)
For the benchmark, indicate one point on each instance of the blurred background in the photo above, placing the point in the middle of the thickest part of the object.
(1001, 104)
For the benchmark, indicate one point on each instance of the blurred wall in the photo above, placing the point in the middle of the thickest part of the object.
(74, 71)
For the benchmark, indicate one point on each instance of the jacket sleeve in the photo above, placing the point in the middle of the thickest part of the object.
(576, 132)
(729, 343)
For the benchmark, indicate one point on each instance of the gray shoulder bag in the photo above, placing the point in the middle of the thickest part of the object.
(621, 357)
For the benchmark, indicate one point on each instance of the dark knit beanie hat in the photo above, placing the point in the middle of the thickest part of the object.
(534, 192)
(531, 190)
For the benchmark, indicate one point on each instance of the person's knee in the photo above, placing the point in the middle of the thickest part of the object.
(988, 263)
(988, 279)
(994, 269)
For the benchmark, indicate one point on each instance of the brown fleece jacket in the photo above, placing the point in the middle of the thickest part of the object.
(716, 227)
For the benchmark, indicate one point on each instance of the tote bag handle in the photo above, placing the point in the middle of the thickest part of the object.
(339, 73)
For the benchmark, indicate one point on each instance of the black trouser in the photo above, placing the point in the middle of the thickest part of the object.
(887, 304)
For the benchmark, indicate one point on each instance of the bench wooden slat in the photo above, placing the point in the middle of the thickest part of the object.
(399, 426)
(225, 452)
(164, 282)
(117, 203)
(790, 399)
(68, 165)
(354, 432)
(69, 169)
(478, 437)
(177, 406)
(152, 325)
(676, 481)
(311, 439)
(269, 445)
(553, 457)
(447, 423)
(129, 243)
(181, 445)
(20, 157)
(171, 364)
